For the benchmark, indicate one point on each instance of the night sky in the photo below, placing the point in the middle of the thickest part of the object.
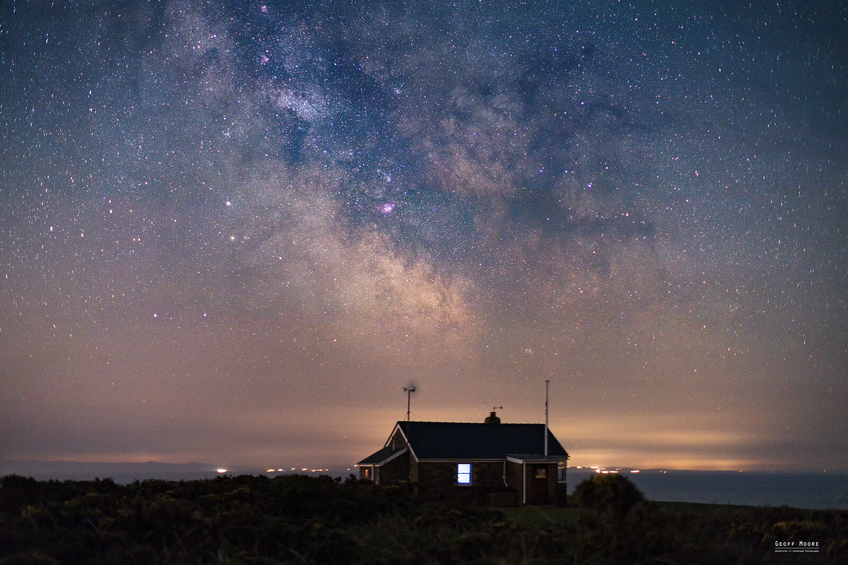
(233, 232)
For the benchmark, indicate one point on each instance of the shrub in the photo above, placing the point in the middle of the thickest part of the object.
(610, 494)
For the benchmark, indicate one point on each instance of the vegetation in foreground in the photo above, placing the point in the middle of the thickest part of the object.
(301, 519)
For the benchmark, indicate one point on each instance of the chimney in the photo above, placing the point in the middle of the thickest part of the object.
(492, 419)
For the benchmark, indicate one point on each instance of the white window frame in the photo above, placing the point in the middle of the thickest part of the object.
(562, 469)
(464, 474)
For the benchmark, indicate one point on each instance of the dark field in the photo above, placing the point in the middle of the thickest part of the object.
(300, 519)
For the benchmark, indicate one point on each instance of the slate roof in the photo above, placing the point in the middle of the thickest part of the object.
(380, 456)
(455, 440)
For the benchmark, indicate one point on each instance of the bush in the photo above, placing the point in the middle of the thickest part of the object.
(302, 519)
(610, 494)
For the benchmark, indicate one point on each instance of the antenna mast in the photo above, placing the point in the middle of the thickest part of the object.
(408, 390)
(547, 382)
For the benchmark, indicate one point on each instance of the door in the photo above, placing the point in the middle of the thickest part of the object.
(539, 484)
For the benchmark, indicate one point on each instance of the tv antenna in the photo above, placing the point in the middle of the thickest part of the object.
(408, 389)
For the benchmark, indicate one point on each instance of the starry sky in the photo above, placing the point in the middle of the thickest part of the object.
(233, 232)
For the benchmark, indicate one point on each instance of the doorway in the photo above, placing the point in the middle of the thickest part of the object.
(539, 484)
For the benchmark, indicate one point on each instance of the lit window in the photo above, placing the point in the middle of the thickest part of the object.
(463, 473)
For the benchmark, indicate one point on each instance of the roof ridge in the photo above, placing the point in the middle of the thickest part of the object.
(475, 423)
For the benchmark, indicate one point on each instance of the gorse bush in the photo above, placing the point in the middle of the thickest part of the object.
(611, 494)
(302, 519)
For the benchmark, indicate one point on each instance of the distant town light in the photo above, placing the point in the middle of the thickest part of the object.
(634, 470)
(222, 470)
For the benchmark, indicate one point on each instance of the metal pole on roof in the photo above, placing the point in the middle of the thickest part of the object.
(547, 383)
(408, 390)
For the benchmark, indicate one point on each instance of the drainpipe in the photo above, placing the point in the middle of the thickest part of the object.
(524, 489)
(504, 475)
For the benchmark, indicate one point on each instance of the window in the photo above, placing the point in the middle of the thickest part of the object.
(463, 473)
(561, 467)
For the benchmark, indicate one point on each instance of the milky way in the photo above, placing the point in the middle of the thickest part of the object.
(233, 232)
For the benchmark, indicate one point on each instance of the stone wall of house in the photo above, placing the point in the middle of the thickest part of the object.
(395, 470)
(487, 486)
(398, 441)
(487, 474)
(439, 479)
(437, 474)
